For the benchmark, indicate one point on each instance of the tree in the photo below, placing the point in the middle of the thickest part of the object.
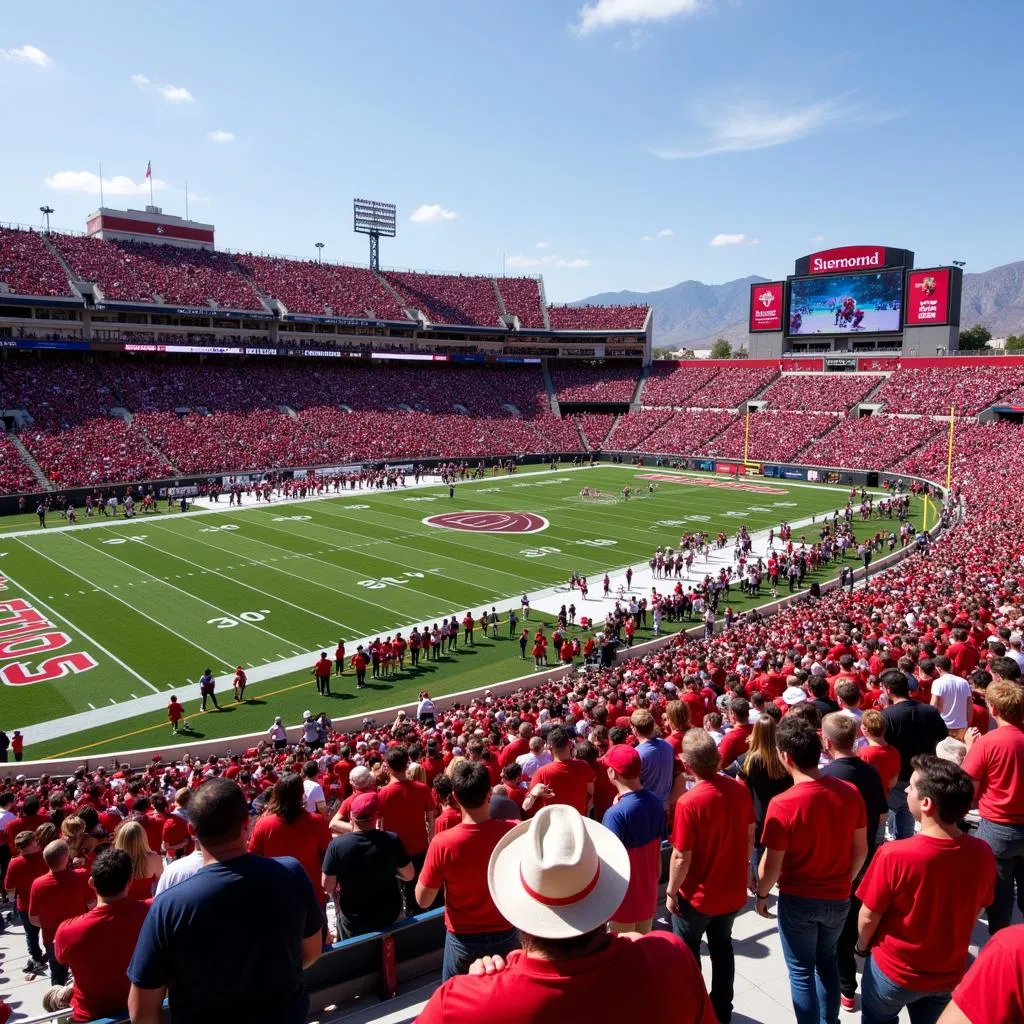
(721, 349)
(741, 353)
(1014, 343)
(975, 339)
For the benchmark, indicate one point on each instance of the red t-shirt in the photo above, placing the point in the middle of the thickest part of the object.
(21, 873)
(813, 823)
(56, 897)
(713, 821)
(604, 790)
(176, 831)
(992, 991)
(734, 743)
(23, 823)
(457, 859)
(153, 823)
(448, 818)
(886, 760)
(305, 838)
(695, 706)
(664, 983)
(569, 781)
(98, 947)
(996, 762)
(174, 711)
(929, 891)
(403, 804)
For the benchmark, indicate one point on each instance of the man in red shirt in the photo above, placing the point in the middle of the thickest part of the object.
(517, 747)
(23, 870)
(176, 838)
(407, 808)
(339, 658)
(995, 762)
(558, 878)
(457, 860)
(322, 671)
(712, 841)
(921, 897)
(61, 893)
(98, 945)
(566, 780)
(359, 665)
(991, 990)
(27, 821)
(737, 739)
(815, 840)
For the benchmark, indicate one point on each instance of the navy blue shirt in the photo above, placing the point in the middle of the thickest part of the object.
(227, 942)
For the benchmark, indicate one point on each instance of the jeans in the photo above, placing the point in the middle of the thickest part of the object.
(35, 951)
(1007, 842)
(461, 950)
(882, 999)
(59, 973)
(691, 925)
(809, 930)
(900, 818)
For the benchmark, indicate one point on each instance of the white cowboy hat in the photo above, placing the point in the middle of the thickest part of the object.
(559, 874)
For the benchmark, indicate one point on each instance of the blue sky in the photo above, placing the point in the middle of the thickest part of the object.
(608, 144)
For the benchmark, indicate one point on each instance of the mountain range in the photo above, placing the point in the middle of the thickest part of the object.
(692, 314)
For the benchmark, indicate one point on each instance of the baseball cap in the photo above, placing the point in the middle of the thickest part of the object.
(366, 806)
(624, 760)
(794, 695)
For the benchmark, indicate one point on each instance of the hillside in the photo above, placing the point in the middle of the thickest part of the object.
(693, 314)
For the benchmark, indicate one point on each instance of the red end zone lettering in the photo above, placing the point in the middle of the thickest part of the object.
(488, 522)
(665, 478)
(25, 631)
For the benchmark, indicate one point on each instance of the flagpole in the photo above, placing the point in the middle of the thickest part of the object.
(101, 185)
(150, 168)
(186, 199)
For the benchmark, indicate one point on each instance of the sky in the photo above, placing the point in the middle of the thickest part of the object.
(606, 144)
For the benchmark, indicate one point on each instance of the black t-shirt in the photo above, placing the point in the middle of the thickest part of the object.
(243, 920)
(869, 784)
(913, 728)
(366, 865)
(825, 706)
(762, 788)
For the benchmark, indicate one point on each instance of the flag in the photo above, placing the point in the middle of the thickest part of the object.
(149, 169)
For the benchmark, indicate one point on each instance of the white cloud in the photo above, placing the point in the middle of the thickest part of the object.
(89, 183)
(740, 127)
(550, 262)
(29, 55)
(176, 94)
(432, 213)
(725, 239)
(221, 136)
(171, 93)
(195, 197)
(543, 245)
(601, 14)
(663, 233)
(818, 238)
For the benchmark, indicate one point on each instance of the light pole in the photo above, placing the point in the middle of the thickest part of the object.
(46, 211)
(960, 263)
(319, 252)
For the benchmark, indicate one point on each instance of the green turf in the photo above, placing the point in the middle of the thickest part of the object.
(167, 598)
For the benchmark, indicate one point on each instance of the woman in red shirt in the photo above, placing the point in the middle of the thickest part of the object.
(678, 717)
(147, 865)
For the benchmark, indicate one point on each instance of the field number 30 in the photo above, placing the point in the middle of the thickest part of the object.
(229, 621)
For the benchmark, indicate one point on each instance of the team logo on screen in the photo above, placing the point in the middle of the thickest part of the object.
(766, 298)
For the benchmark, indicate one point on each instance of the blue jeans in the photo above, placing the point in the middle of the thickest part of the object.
(1007, 842)
(691, 925)
(881, 999)
(900, 819)
(810, 930)
(35, 951)
(461, 950)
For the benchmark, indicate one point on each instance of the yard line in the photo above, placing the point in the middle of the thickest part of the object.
(194, 597)
(127, 604)
(85, 636)
(92, 706)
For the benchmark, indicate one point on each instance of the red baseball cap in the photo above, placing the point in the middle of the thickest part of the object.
(624, 760)
(366, 806)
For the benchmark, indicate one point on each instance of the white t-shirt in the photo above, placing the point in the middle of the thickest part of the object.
(314, 794)
(530, 763)
(6, 817)
(179, 870)
(954, 695)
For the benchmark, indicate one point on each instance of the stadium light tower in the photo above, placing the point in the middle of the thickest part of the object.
(46, 211)
(960, 263)
(374, 219)
(319, 251)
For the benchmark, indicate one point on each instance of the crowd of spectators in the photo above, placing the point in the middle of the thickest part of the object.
(595, 428)
(597, 318)
(521, 296)
(930, 391)
(449, 298)
(15, 476)
(821, 392)
(140, 272)
(607, 383)
(731, 386)
(28, 267)
(686, 432)
(773, 436)
(631, 431)
(871, 442)
(322, 289)
(672, 384)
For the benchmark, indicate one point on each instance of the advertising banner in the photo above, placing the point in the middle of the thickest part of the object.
(803, 365)
(766, 306)
(871, 365)
(927, 297)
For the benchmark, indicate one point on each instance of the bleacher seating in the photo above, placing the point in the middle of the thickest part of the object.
(139, 272)
(686, 431)
(595, 428)
(28, 267)
(15, 475)
(521, 296)
(323, 289)
(607, 383)
(774, 436)
(821, 392)
(930, 391)
(449, 298)
(597, 318)
(731, 386)
(671, 384)
(870, 442)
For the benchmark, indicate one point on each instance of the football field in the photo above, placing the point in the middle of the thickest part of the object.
(101, 622)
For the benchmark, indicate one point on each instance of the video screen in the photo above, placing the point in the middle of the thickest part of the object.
(835, 304)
